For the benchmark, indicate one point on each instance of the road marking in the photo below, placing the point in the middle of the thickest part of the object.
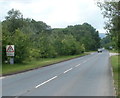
(85, 61)
(112, 71)
(68, 70)
(57, 76)
(2, 77)
(113, 81)
(77, 65)
(45, 82)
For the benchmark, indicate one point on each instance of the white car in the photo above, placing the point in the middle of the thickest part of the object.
(99, 50)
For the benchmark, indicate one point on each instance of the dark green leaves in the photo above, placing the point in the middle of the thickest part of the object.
(35, 39)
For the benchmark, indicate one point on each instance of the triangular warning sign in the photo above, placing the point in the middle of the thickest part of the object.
(10, 49)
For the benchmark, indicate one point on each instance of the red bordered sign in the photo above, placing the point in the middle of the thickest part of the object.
(10, 50)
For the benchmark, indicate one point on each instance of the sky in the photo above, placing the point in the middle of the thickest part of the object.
(57, 13)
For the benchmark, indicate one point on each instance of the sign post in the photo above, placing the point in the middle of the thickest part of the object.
(10, 52)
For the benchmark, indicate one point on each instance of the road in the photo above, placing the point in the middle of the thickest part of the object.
(89, 75)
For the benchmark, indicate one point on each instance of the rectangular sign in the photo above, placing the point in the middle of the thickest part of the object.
(10, 50)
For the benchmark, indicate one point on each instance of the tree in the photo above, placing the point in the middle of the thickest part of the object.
(14, 20)
(35, 39)
(111, 11)
(106, 42)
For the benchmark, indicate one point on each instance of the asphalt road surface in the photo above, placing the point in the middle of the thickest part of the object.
(89, 75)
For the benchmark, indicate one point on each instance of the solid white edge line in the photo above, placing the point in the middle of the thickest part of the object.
(112, 71)
(46, 82)
(113, 81)
(68, 70)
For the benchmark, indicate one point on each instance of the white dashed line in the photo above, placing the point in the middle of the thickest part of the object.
(45, 82)
(68, 70)
(2, 77)
(57, 76)
(77, 65)
(85, 61)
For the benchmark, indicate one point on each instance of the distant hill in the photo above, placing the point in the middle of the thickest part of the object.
(102, 35)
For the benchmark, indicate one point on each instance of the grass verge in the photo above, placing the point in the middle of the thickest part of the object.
(113, 51)
(8, 69)
(115, 61)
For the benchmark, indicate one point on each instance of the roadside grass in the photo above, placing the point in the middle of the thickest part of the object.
(15, 68)
(115, 61)
(113, 51)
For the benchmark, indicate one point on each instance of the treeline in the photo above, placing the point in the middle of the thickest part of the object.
(111, 11)
(107, 43)
(35, 39)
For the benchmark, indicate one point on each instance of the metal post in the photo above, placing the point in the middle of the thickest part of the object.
(11, 60)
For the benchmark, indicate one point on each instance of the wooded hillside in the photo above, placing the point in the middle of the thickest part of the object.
(35, 39)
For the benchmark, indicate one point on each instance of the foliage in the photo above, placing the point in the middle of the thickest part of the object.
(8, 69)
(106, 42)
(35, 39)
(111, 11)
(115, 61)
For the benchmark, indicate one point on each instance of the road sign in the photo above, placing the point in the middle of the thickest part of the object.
(10, 50)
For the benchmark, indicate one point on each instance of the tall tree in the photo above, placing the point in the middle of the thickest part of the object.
(111, 11)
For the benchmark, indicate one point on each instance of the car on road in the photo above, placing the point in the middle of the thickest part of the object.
(99, 50)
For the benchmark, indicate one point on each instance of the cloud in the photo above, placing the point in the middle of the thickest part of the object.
(57, 13)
